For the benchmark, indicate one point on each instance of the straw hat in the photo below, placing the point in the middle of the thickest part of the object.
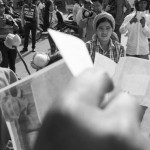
(103, 15)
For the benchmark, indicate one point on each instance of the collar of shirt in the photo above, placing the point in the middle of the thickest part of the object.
(111, 45)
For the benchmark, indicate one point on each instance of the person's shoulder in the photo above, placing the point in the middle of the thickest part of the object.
(90, 42)
(131, 15)
(118, 44)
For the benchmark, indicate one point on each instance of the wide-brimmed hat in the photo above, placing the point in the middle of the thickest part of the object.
(12, 40)
(103, 15)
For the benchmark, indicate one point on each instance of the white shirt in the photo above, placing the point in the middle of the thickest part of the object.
(137, 43)
(76, 8)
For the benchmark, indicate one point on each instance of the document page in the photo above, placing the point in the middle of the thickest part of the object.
(104, 63)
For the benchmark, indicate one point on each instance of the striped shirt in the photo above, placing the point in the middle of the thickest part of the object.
(114, 52)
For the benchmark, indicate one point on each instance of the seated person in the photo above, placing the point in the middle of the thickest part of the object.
(102, 42)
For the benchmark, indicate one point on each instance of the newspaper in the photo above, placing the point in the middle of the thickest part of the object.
(131, 75)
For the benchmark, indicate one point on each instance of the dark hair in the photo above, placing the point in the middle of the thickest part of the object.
(104, 20)
(100, 1)
(136, 3)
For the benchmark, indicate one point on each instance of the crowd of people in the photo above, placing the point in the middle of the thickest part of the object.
(100, 25)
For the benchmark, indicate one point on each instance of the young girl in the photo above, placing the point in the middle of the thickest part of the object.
(104, 25)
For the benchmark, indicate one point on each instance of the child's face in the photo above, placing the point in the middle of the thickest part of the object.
(104, 31)
(142, 5)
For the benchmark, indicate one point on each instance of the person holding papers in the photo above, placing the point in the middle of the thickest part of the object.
(137, 24)
(104, 25)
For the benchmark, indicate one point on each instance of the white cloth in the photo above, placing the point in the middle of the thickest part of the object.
(76, 8)
(137, 43)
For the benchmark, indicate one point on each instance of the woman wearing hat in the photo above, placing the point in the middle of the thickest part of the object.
(137, 24)
(104, 25)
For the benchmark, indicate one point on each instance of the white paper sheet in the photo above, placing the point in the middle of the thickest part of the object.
(133, 75)
(104, 63)
(135, 84)
(73, 50)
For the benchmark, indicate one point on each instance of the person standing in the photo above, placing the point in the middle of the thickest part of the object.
(119, 9)
(7, 25)
(30, 22)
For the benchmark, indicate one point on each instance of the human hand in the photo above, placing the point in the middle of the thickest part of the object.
(142, 21)
(76, 120)
(133, 20)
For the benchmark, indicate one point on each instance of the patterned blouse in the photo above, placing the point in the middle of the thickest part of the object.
(114, 52)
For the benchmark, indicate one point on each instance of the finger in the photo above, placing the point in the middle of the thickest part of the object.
(91, 86)
(126, 104)
(123, 121)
